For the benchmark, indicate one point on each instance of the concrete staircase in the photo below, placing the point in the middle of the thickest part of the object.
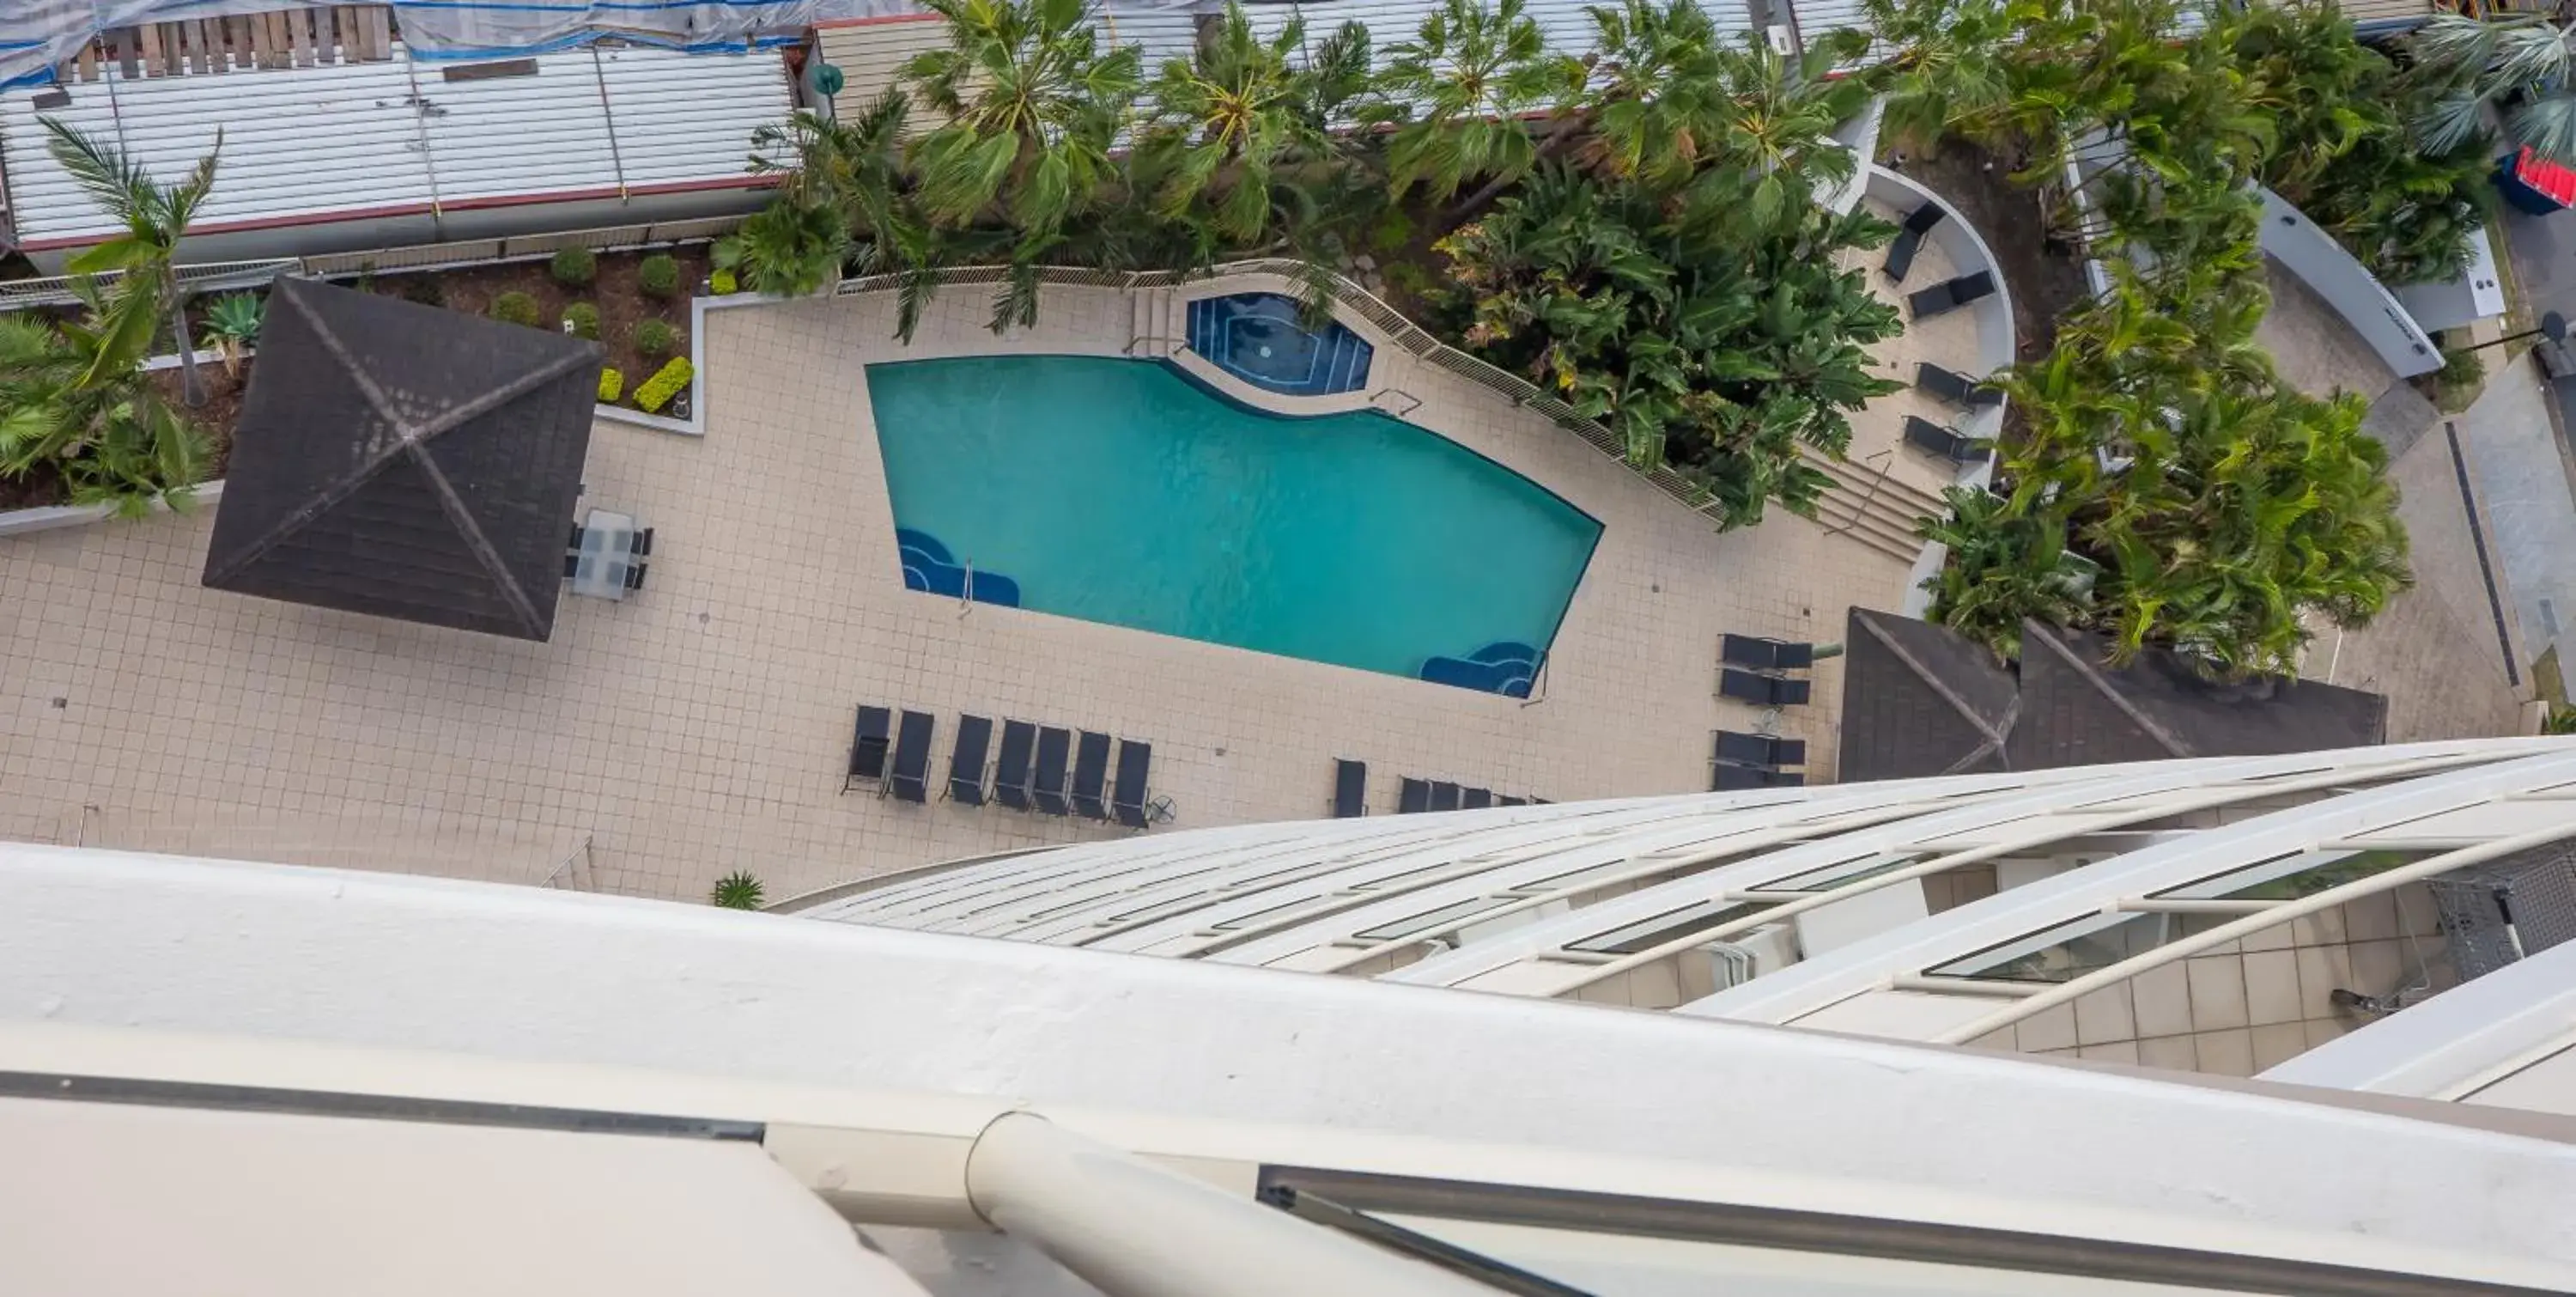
(1873, 509)
(1157, 322)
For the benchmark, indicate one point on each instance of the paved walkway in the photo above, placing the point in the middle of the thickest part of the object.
(2436, 651)
(701, 727)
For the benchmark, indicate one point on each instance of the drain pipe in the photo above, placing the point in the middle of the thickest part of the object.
(1133, 1229)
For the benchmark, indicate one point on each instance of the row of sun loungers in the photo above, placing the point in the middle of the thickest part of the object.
(1350, 794)
(1047, 769)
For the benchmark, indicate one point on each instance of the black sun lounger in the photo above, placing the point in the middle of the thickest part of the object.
(966, 760)
(1047, 788)
(1350, 788)
(1127, 794)
(1091, 775)
(910, 779)
(1909, 240)
(868, 747)
(1011, 771)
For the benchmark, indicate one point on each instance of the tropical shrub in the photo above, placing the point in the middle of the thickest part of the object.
(74, 395)
(2520, 63)
(1674, 281)
(658, 275)
(232, 325)
(655, 337)
(738, 890)
(2345, 154)
(668, 381)
(788, 249)
(612, 385)
(581, 320)
(1708, 342)
(2207, 505)
(574, 267)
(514, 307)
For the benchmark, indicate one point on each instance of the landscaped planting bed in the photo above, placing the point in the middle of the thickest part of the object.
(626, 317)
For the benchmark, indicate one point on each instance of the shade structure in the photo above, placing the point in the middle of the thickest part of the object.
(405, 461)
(1920, 699)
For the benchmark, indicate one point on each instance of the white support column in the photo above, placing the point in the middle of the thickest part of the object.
(1133, 1229)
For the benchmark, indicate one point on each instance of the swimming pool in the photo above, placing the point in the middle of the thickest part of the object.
(1121, 491)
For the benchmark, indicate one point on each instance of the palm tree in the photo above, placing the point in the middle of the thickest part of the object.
(155, 217)
(1219, 123)
(1776, 116)
(854, 168)
(790, 248)
(2479, 62)
(1462, 88)
(1031, 104)
(1648, 103)
(1952, 68)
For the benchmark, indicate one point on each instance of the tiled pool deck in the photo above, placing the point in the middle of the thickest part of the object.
(703, 725)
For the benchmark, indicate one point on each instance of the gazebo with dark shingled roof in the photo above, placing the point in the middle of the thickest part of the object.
(405, 461)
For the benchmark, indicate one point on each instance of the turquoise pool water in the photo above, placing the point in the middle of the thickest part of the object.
(1119, 491)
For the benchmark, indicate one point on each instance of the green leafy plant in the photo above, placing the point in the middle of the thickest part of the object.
(723, 282)
(581, 320)
(658, 276)
(668, 381)
(612, 385)
(1460, 92)
(789, 248)
(2523, 63)
(737, 891)
(655, 337)
(156, 217)
(574, 267)
(1030, 97)
(514, 307)
(232, 326)
(74, 395)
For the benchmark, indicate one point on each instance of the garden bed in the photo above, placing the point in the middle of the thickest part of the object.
(2044, 277)
(621, 303)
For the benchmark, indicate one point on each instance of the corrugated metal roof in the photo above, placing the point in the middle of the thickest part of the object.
(1567, 23)
(343, 140)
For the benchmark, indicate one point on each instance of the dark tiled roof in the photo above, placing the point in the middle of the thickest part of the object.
(405, 461)
(1919, 700)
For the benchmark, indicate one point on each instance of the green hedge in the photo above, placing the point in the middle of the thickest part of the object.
(656, 337)
(612, 385)
(668, 381)
(584, 319)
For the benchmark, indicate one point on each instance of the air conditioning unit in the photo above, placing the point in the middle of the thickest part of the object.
(1781, 41)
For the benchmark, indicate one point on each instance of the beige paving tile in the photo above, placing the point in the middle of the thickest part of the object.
(702, 727)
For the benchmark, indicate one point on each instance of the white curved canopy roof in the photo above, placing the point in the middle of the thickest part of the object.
(1886, 908)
